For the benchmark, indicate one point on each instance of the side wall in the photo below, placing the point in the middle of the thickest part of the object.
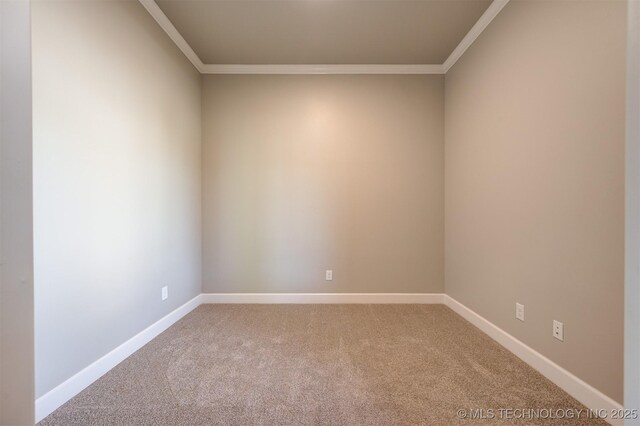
(117, 211)
(16, 224)
(534, 179)
(632, 214)
(302, 174)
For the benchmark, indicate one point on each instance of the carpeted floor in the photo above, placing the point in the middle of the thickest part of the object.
(317, 365)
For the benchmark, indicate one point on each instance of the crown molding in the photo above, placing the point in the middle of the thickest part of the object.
(164, 22)
(492, 11)
(323, 69)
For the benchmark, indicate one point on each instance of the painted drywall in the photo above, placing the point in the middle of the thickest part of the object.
(632, 214)
(16, 225)
(534, 178)
(117, 211)
(306, 173)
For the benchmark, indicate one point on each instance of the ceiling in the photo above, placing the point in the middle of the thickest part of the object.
(323, 31)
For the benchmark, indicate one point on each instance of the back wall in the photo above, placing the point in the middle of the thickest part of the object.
(307, 173)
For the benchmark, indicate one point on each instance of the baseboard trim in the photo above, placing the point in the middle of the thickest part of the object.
(62, 393)
(311, 298)
(574, 386)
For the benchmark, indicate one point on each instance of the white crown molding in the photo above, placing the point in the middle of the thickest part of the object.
(494, 8)
(323, 69)
(164, 22)
(492, 11)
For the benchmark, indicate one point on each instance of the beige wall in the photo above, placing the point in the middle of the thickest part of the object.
(307, 173)
(535, 180)
(16, 224)
(117, 209)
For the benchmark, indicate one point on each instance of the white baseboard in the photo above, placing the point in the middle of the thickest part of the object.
(310, 298)
(574, 386)
(62, 393)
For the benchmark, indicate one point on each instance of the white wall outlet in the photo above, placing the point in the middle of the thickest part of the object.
(165, 292)
(558, 330)
(520, 311)
(328, 275)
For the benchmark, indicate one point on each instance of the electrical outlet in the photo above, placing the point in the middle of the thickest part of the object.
(520, 311)
(328, 275)
(165, 292)
(558, 330)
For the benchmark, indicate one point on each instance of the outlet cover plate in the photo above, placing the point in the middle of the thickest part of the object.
(558, 330)
(165, 293)
(520, 311)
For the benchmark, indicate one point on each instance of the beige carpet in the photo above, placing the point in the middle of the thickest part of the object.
(316, 365)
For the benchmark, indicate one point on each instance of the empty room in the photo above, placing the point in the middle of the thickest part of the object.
(320, 212)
